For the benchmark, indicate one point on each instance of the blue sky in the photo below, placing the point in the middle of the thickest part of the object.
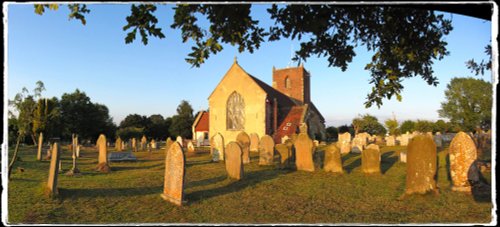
(153, 79)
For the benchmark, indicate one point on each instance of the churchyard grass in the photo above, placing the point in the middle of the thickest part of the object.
(130, 193)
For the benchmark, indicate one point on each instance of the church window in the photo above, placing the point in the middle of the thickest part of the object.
(288, 83)
(235, 112)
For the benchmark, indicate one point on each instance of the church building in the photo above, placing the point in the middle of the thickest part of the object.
(241, 102)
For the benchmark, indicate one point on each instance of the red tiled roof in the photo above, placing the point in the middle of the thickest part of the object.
(289, 124)
(203, 123)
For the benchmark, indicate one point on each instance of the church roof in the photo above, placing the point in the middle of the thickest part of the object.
(201, 122)
(272, 93)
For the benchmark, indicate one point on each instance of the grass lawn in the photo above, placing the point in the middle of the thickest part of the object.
(131, 193)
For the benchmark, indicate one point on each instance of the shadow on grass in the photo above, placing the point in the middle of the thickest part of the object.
(204, 182)
(249, 179)
(356, 163)
(193, 163)
(387, 161)
(108, 192)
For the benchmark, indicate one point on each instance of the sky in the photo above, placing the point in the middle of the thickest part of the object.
(137, 79)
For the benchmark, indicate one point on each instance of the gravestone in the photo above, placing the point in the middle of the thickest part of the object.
(344, 142)
(144, 141)
(134, 145)
(102, 165)
(463, 169)
(285, 154)
(118, 144)
(333, 160)
(48, 155)
(168, 143)
(254, 142)
(370, 159)
(173, 185)
(390, 141)
(121, 156)
(357, 144)
(180, 140)
(213, 152)
(304, 153)
(40, 145)
(51, 189)
(244, 141)
(421, 166)
(405, 138)
(266, 150)
(234, 161)
(74, 171)
(218, 146)
(78, 150)
(402, 156)
(438, 139)
(190, 147)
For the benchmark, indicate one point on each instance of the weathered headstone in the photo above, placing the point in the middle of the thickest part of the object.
(121, 156)
(357, 145)
(40, 145)
(234, 161)
(180, 140)
(438, 139)
(390, 141)
(405, 138)
(153, 144)
(463, 169)
(218, 149)
(168, 143)
(304, 153)
(402, 156)
(421, 166)
(74, 170)
(190, 147)
(134, 145)
(51, 189)
(285, 154)
(344, 142)
(144, 141)
(173, 186)
(102, 165)
(244, 141)
(333, 160)
(254, 142)
(118, 144)
(266, 150)
(370, 159)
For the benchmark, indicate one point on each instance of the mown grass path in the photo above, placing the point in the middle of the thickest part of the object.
(131, 194)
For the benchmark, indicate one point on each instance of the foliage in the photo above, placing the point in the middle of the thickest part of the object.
(134, 120)
(81, 116)
(332, 133)
(369, 124)
(407, 126)
(392, 126)
(424, 126)
(468, 103)
(129, 133)
(405, 41)
(346, 128)
(441, 126)
(47, 118)
(158, 127)
(76, 10)
(481, 67)
(183, 121)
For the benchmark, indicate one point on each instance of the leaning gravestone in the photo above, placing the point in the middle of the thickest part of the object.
(266, 150)
(333, 160)
(344, 142)
(102, 165)
(254, 142)
(173, 185)
(218, 149)
(244, 141)
(51, 189)
(285, 154)
(370, 159)
(234, 161)
(421, 166)
(304, 153)
(463, 170)
(40, 145)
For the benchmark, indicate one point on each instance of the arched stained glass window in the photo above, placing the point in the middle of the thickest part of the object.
(288, 83)
(235, 112)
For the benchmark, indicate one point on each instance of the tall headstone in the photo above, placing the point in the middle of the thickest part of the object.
(421, 166)
(333, 160)
(266, 150)
(463, 169)
(40, 145)
(118, 144)
(103, 165)
(134, 145)
(153, 144)
(218, 149)
(144, 141)
(244, 141)
(370, 159)
(402, 156)
(173, 185)
(344, 142)
(405, 138)
(254, 142)
(285, 154)
(304, 153)
(51, 189)
(358, 144)
(180, 140)
(234, 161)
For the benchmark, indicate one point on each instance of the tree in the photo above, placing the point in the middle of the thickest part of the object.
(392, 126)
(158, 127)
(441, 126)
(369, 124)
(182, 121)
(130, 132)
(46, 117)
(405, 41)
(407, 126)
(332, 133)
(134, 120)
(468, 103)
(481, 67)
(424, 126)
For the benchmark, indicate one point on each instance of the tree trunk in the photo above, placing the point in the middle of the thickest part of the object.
(34, 139)
(14, 157)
